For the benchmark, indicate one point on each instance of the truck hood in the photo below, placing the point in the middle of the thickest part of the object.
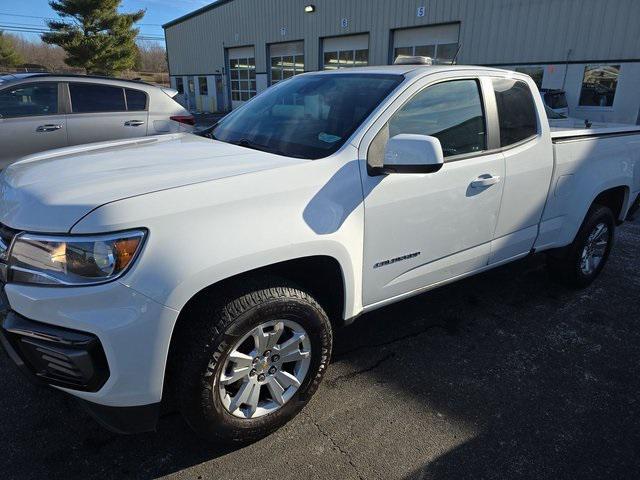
(51, 191)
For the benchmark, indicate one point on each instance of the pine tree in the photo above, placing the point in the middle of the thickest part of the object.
(9, 57)
(94, 35)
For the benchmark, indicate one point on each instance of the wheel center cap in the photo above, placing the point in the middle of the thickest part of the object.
(262, 365)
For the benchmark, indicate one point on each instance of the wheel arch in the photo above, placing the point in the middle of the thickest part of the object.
(616, 199)
(317, 274)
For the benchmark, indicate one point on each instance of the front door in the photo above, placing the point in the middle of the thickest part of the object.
(31, 120)
(423, 229)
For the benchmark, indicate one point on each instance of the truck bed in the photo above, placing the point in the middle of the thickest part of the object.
(588, 161)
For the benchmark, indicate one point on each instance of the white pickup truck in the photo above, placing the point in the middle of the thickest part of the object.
(208, 272)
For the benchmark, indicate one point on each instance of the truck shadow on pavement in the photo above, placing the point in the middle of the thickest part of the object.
(502, 375)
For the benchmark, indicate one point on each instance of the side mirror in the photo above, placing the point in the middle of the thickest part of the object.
(408, 153)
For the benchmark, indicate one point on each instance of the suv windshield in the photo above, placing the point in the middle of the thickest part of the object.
(310, 116)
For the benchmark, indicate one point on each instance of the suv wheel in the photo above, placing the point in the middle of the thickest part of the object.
(583, 260)
(246, 368)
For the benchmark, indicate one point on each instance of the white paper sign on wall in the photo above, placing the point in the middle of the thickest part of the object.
(344, 23)
(283, 31)
(421, 11)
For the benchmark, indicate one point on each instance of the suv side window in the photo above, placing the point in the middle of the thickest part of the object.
(92, 98)
(29, 100)
(517, 113)
(450, 111)
(136, 100)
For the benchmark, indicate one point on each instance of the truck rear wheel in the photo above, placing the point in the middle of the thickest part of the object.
(250, 365)
(580, 263)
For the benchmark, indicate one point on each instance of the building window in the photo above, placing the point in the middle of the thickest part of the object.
(283, 67)
(537, 73)
(346, 59)
(179, 85)
(599, 85)
(441, 53)
(243, 78)
(202, 85)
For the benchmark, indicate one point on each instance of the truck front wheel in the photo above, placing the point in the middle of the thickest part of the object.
(249, 365)
(580, 263)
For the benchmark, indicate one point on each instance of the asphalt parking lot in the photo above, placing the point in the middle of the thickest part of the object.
(504, 375)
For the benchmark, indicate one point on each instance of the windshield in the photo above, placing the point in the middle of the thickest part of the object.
(310, 116)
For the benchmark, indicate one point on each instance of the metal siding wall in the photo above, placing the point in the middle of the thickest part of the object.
(491, 31)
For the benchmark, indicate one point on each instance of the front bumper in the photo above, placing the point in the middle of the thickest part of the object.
(105, 345)
(52, 355)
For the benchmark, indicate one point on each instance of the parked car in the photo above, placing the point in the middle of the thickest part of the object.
(210, 273)
(40, 111)
(556, 100)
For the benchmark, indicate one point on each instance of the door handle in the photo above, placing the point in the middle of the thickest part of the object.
(48, 128)
(133, 123)
(485, 181)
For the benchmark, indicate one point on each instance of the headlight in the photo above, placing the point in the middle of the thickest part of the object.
(72, 260)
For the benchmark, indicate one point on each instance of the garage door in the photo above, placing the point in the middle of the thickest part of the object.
(287, 60)
(242, 74)
(346, 51)
(440, 42)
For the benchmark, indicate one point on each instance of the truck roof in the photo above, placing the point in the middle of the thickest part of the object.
(411, 69)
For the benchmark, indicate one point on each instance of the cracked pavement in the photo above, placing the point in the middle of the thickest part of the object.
(504, 375)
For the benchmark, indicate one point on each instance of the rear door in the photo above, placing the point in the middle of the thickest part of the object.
(99, 112)
(32, 120)
(526, 145)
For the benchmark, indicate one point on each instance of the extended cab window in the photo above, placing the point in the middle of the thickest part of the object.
(516, 111)
(450, 111)
(29, 100)
(91, 98)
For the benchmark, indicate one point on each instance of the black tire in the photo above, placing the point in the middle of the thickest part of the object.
(209, 335)
(565, 265)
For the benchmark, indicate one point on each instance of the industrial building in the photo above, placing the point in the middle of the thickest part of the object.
(225, 53)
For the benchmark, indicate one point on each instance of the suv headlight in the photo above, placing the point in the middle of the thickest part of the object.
(74, 260)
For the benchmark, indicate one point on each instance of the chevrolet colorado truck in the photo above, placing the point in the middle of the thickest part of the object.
(209, 272)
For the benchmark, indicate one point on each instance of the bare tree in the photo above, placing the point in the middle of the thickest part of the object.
(152, 57)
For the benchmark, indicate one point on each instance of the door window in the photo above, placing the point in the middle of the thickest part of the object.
(516, 111)
(91, 98)
(243, 78)
(29, 100)
(136, 100)
(283, 67)
(346, 59)
(202, 85)
(450, 111)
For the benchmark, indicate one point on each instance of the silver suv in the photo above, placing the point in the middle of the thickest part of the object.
(44, 111)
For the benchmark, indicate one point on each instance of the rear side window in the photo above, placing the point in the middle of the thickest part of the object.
(29, 100)
(91, 98)
(136, 100)
(516, 111)
(450, 111)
